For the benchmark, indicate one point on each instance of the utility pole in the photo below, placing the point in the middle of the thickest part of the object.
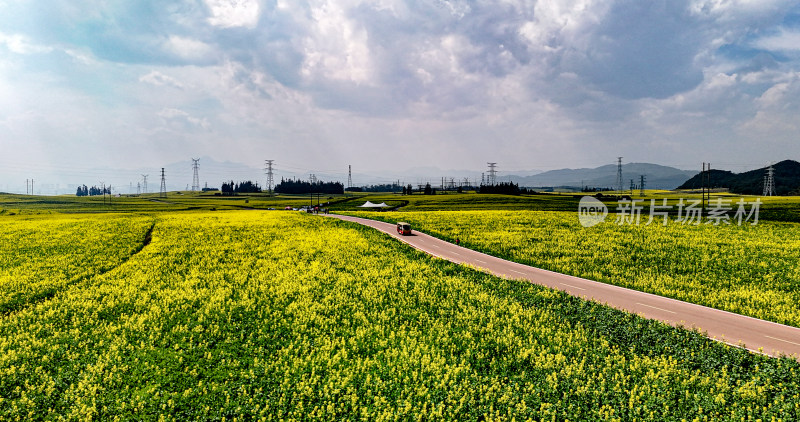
(313, 178)
(705, 182)
(163, 192)
(492, 173)
(269, 175)
(195, 176)
(642, 179)
(619, 175)
(144, 184)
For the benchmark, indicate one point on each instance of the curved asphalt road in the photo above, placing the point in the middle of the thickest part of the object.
(738, 330)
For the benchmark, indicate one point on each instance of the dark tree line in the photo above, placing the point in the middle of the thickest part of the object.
(92, 191)
(505, 188)
(230, 188)
(427, 190)
(297, 186)
(377, 188)
(595, 189)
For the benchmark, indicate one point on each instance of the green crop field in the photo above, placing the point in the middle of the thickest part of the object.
(253, 315)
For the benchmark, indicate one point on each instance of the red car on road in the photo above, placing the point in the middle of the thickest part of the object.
(403, 229)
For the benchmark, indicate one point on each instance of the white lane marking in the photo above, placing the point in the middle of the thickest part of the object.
(518, 272)
(478, 260)
(574, 287)
(780, 339)
(655, 307)
(455, 253)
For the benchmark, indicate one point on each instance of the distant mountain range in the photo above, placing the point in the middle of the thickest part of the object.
(656, 177)
(786, 176)
(179, 177)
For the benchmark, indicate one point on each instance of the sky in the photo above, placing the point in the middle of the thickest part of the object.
(99, 89)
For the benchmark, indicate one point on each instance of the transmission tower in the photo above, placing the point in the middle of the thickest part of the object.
(349, 176)
(163, 192)
(195, 176)
(769, 182)
(138, 188)
(270, 180)
(144, 183)
(492, 173)
(642, 179)
(619, 175)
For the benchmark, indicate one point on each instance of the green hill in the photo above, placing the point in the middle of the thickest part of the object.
(787, 180)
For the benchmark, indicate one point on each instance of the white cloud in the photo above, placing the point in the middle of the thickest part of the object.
(159, 79)
(188, 48)
(234, 13)
(182, 119)
(336, 47)
(20, 44)
(784, 41)
(558, 24)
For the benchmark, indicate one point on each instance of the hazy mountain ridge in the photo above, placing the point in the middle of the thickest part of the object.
(656, 176)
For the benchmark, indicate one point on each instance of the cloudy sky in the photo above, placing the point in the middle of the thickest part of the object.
(388, 84)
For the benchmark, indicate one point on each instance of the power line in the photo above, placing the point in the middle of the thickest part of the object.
(706, 184)
(196, 176)
(270, 180)
(769, 182)
(492, 173)
(163, 192)
(642, 179)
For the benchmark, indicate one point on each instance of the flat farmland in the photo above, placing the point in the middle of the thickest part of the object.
(255, 315)
(749, 269)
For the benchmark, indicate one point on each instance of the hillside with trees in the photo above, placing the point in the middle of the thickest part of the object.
(787, 180)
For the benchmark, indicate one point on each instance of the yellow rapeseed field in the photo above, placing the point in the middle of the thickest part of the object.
(752, 270)
(39, 255)
(252, 315)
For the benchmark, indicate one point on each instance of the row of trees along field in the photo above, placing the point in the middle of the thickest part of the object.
(297, 186)
(230, 188)
(505, 188)
(92, 191)
(393, 187)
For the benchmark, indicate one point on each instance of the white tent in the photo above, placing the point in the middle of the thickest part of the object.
(371, 205)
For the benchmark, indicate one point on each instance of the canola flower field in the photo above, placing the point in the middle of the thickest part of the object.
(40, 255)
(749, 269)
(250, 315)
